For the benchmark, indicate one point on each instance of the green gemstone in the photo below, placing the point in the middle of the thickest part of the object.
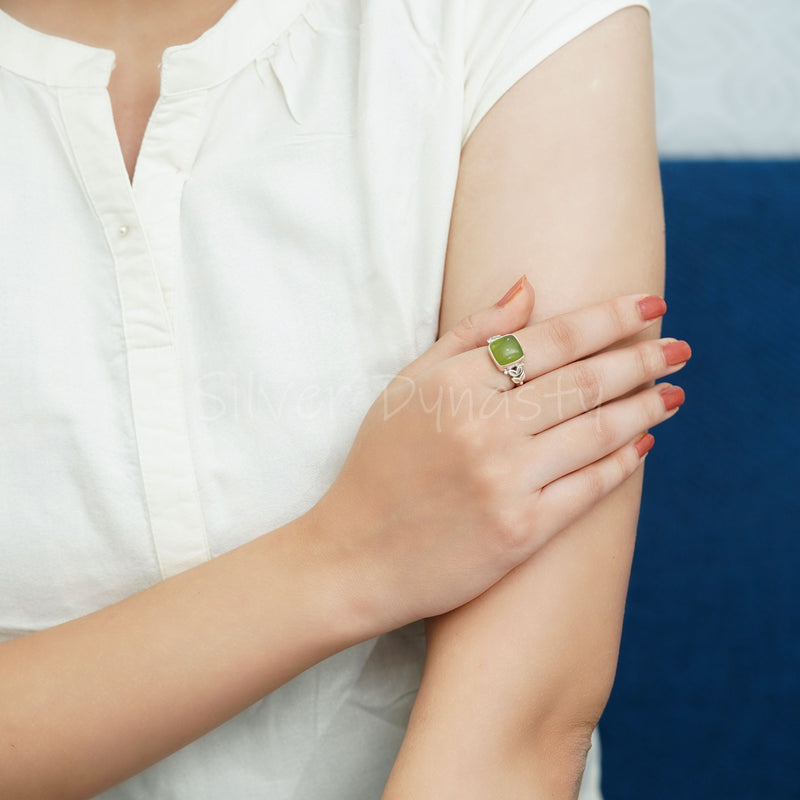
(506, 350)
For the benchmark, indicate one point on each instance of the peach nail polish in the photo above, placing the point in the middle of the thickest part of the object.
(673, 397)
(676, 353)
(511, 293)
(644, 444)
(652, 307)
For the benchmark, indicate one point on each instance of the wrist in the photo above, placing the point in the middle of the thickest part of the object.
(343, 574)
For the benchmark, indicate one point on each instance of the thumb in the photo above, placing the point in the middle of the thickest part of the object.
(509, 314)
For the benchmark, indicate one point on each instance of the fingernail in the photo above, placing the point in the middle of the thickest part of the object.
(676, 353)
(652, 307)
(644, 444)
(511, 293)
(673, 397)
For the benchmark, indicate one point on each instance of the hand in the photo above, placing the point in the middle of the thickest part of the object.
(457, 476)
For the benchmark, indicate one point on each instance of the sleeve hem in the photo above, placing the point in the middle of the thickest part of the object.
(503, 77)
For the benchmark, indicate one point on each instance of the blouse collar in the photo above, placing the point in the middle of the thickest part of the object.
(246, 29)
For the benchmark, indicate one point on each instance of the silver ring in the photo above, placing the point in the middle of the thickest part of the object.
(508, 356)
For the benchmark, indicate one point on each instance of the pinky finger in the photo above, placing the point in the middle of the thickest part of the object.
(564, 500)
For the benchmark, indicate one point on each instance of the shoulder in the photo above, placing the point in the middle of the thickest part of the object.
(481, 47)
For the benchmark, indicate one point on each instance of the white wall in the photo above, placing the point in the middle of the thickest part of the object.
(727, 77)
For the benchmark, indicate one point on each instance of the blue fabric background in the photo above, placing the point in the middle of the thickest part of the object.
(707, 699)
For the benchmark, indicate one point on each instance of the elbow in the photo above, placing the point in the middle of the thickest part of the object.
(553, 742)
(550, 765)
(577, 693)
(559, 761)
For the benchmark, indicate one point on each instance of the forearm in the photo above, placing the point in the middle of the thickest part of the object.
(516, 680)
(88, 703)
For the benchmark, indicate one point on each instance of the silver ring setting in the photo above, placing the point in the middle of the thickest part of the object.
(507, 354)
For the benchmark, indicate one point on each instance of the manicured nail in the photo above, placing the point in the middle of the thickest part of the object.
(511, 293)
(644, 444)
(673, 397)
(676, 353)
(652, 307)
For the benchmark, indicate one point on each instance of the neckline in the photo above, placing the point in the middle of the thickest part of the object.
(49, 59)
(245, 30)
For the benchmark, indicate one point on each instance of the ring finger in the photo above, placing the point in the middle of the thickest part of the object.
(555, 342)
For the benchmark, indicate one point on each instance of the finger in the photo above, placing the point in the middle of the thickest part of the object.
(510, 313)
(580, 387)
(566, 499)
(588, 438)
(561, 340)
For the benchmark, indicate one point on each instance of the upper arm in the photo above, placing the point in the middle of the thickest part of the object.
(560, 180)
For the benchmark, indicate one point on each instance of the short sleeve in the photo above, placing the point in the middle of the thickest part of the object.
(504, 41)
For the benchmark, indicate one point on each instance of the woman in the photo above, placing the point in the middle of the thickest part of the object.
(222, 240)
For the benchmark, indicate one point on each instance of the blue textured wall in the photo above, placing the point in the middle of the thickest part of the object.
(707, 700)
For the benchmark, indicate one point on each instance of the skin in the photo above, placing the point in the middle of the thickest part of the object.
(516, 680)
(149, 674)
(138, 31)
(370, 556)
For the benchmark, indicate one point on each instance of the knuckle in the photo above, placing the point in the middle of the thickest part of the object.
(589, 385)
(486, 483)
(509, 531)
(565, 336)
(624, 463)
(655, 406)
(618, 313)
(465, 331)
(481, 484)
(648, 360)
(467, 446)
(488, 488)
(605, 433)
(609, 473)
(595, 480)
(450, 374)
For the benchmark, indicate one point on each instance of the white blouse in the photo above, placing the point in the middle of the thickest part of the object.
(184, 361)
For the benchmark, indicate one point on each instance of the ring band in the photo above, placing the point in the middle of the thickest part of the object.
(508, 357)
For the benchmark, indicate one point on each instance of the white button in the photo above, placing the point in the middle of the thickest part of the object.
(123, 230)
